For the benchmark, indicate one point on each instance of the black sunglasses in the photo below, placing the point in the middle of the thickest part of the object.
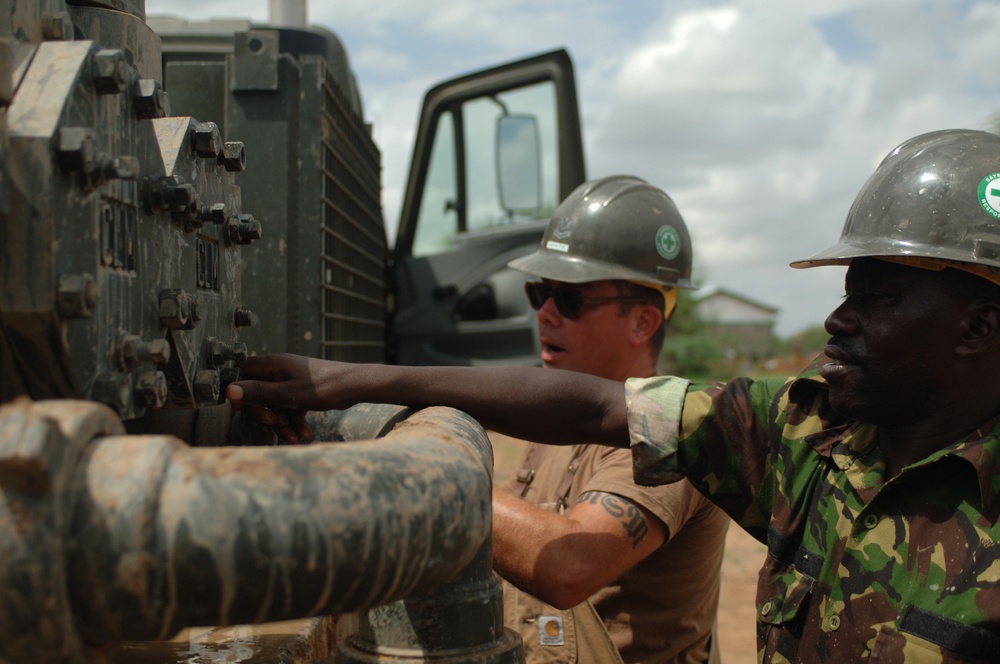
(569, 301)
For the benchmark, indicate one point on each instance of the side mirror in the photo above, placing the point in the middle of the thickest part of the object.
(518, 163)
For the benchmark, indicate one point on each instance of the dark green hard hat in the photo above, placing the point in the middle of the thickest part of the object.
(618, 227)
(935, 196)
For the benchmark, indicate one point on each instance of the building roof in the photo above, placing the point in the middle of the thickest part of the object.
(707, 292)
(721, 306)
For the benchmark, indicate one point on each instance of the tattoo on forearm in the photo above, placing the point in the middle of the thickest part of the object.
(631, 517)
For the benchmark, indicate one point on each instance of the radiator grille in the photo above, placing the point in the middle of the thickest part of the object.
(354, 248)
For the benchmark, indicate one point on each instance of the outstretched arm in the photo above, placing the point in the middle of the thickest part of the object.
(544, 405)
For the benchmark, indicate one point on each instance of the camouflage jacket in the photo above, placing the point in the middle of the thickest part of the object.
(857, 568)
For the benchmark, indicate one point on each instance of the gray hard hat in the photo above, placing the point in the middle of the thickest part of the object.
(935, 196)
(618, 227)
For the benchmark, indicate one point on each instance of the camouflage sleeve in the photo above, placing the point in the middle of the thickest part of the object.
(716, 435)
(654, 407)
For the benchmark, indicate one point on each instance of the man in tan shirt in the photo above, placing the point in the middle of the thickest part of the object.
(572, 529)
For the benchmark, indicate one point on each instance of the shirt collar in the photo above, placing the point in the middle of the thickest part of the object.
(981, 449)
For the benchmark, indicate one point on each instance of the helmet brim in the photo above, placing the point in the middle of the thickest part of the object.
(841, 254)
(844, 252)
(548, 264)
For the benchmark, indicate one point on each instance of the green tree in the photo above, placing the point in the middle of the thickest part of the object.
(809, 341)
(687, 351)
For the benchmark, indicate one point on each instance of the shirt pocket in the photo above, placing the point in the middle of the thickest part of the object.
(925, 636)
(782, 605)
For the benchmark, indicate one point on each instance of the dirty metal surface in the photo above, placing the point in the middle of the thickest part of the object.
(123, 229)
(109, 537)
(289, 642)
(248, 535)
(123, 271)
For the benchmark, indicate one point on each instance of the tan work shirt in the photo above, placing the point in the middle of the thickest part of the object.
(664, 608)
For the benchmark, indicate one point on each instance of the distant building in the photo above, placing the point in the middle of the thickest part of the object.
(743, 327)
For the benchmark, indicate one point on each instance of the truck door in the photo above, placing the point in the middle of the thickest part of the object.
(495, 153)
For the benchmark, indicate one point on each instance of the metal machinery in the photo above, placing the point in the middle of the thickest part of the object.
(140, 263)
(495, 153)
(317, 283)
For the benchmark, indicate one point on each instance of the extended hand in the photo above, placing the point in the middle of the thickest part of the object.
(278, 391)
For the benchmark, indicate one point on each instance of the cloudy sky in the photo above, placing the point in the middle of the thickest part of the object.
(762, 118)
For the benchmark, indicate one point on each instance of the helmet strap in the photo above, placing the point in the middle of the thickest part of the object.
(669, 296)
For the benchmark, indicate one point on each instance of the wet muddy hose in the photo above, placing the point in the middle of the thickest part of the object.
(106, 537)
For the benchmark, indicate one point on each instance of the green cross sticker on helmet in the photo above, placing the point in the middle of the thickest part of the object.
(989, 194)
(668, 243)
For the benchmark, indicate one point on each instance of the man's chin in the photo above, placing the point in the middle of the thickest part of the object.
(553, 359)
(849, 405)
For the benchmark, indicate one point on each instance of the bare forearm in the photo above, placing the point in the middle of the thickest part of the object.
(524, 537)
(565, 558)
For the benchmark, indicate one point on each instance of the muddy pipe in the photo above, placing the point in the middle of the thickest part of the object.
(106, 537)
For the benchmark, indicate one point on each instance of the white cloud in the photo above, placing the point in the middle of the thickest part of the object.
(763, 128)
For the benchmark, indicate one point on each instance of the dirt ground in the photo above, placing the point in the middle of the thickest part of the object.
(740, 563)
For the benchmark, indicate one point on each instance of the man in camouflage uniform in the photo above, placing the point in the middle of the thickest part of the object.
(872, 476)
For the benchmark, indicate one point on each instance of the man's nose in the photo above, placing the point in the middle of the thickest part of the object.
(548, 312)
(841, 321)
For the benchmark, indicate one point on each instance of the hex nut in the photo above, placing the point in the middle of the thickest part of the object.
(112, 389)
(76, 150)
(233, 156)
(56, 26)
(170, 193)
(188, 207)
(244, 229)
(159, 351)
(238, 352)
(206, 139)
(253, 229)
(151, 389)
(175, 310)
(107, 69)
(131, 351)
(135, 351)
(207, 386)
(150, 99)
(220, 352)
(216, 356)
(215, 214)
(226, 376)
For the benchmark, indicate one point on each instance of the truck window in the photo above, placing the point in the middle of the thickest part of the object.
(437, 223)
(470, 139)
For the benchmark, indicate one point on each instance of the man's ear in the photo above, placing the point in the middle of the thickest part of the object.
(648, 320)
(980, 329)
